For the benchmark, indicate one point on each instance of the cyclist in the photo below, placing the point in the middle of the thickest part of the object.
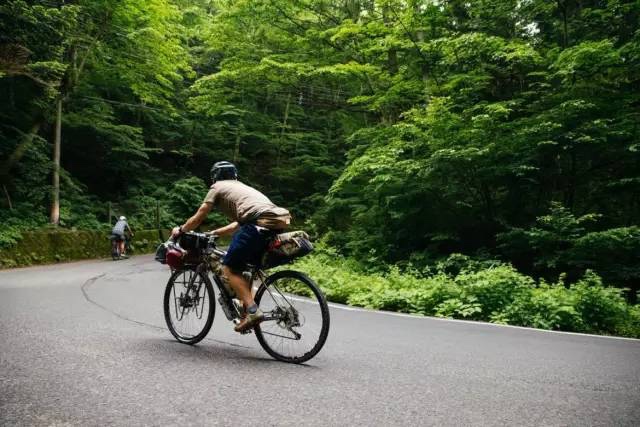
(118, 232)
(253, 219)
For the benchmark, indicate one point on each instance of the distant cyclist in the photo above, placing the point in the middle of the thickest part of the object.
(118, 233)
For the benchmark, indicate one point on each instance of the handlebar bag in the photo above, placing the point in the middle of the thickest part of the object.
(193, 242)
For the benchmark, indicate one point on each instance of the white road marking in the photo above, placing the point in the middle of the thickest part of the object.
(470, 322)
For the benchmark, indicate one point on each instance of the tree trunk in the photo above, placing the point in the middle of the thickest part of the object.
(18, 152)
(284, 125)
(55, 191)
(352, 9)
(420, 37)
(6, 193)
(236, 149)
(392, 64)
(392, 54)
(562, 5)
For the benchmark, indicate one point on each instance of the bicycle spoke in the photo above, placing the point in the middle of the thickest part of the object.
(281, 336)
(191, 305)
(295, 326)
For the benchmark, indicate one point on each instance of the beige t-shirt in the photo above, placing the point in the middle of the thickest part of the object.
(239, 202)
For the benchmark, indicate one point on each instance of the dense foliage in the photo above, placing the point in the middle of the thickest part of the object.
(460, 288)
(400, 131)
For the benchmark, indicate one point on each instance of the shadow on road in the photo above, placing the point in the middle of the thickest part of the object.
(211, 350)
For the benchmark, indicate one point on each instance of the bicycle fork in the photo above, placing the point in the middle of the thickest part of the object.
(188, 301)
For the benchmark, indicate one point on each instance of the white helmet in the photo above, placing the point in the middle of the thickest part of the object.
(123, 218)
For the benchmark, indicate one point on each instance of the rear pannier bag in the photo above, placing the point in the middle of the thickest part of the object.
(286, 247)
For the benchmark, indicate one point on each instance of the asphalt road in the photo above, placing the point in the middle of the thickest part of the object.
(86, 344)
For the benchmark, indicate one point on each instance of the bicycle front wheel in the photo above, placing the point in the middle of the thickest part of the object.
(189, 306)
(297, 317)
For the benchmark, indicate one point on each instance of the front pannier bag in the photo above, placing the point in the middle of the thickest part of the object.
(161, 253)
(286, 247)
(185, 253)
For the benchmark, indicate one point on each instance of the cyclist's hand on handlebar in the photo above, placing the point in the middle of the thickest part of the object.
(175, 232)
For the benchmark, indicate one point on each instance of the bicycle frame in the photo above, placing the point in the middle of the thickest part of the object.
(210, 262)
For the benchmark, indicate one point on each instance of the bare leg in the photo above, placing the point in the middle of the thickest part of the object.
(121, 243)
(241, 287)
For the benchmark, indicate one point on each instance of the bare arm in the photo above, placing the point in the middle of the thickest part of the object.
(193, 222)
(227, 229)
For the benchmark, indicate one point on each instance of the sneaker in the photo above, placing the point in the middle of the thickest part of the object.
(249, 321)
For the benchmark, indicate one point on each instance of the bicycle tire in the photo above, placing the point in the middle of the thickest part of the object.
(115, 250)
(316, 294)
(170, 300)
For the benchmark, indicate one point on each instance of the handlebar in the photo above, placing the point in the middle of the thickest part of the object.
(209, 234)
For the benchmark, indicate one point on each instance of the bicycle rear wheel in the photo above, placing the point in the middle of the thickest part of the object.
(115, 250)
(299, 315)
(189, 306)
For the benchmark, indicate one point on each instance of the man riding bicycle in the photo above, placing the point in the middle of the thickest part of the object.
(254, 219)
(118, 233)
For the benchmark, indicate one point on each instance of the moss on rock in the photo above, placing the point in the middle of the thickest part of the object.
(51, 246)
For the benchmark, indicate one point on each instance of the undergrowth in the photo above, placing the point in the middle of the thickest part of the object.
(494, 293)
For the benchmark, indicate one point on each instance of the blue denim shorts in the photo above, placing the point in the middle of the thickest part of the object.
(247, 247)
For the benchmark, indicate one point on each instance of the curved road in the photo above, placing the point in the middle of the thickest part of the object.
(85, 344)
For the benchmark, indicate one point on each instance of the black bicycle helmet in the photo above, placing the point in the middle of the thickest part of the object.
(223, 170)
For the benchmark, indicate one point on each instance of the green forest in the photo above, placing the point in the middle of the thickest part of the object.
(470, 159)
